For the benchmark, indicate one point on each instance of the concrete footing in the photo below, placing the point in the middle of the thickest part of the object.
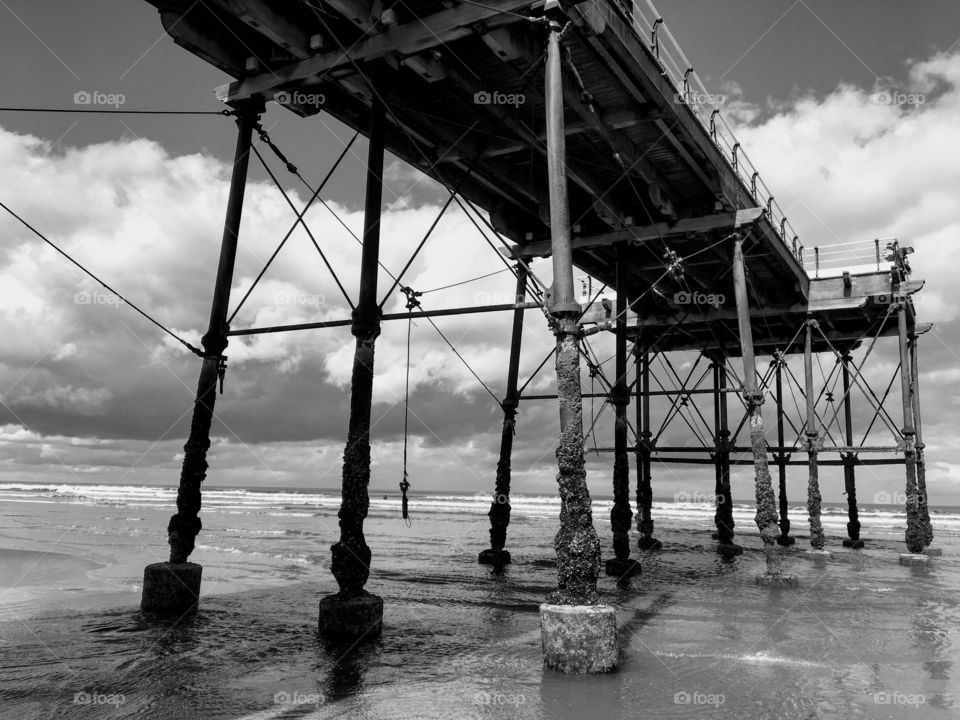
(786, 541)
(729, 550)
(649, 544)
(914, 559)
(351, 618)
(494, 557)
(933, 552)
(853, 544)
(622, 568)
(171, 588)
(778, 581)
(579, 638)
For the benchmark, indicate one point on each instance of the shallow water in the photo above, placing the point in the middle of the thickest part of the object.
(862, 638)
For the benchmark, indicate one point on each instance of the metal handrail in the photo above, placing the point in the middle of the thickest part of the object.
(674, 65)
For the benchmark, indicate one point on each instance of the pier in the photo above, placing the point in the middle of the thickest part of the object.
(578, 132)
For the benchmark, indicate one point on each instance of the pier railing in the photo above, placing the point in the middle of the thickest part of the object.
(862, 255)
(647, 22)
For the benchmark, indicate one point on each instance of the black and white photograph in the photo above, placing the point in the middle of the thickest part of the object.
(475, 359)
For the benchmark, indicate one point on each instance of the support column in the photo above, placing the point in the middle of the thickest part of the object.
(578, 634)
(174, 586)
(621, 517)
(500, 508)
(813, 442)
(353, 613)
(766, 517)
(914, 535)
(644, 452)
(781, 457)
(723, 517)
(921, 463)
(850, 462)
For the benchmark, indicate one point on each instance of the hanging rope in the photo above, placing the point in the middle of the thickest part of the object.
(412, 304)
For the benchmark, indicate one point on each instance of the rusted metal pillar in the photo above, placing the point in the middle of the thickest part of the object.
(781, 457)
(353, 613)
(578, 634)
(914, 533)
(723, 518)
(175, 586)
(813, 442)
(850, 461)
(644, 452)
(921, 463)
(766, 517)
(499, 513)
(621, 516)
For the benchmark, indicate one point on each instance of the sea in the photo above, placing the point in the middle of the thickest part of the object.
(862, 637)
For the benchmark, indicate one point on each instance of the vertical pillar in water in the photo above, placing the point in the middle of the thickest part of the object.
(766, 517)
(813, 437)
(644, 451)
(722, 490)
(578, 634)
(353, 613)
(499, 513)
(174, 586)
(785, 539)
(921, 463)
(914, 534)
(621, 516)
(850, 461)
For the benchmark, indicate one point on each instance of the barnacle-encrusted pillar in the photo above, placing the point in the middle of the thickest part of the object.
(644, 451)
(353, 613)
(766, 517)
(914, 533)
(621, 516)
(849, 459)
(723, 517)
(174, 586)
(499, 513)
(927, 526)
(578, 634)
(813, 442)
(781, 457)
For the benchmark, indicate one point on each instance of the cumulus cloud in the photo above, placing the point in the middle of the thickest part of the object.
(79, 367)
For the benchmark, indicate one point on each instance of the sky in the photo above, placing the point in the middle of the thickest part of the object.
(91, 392)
